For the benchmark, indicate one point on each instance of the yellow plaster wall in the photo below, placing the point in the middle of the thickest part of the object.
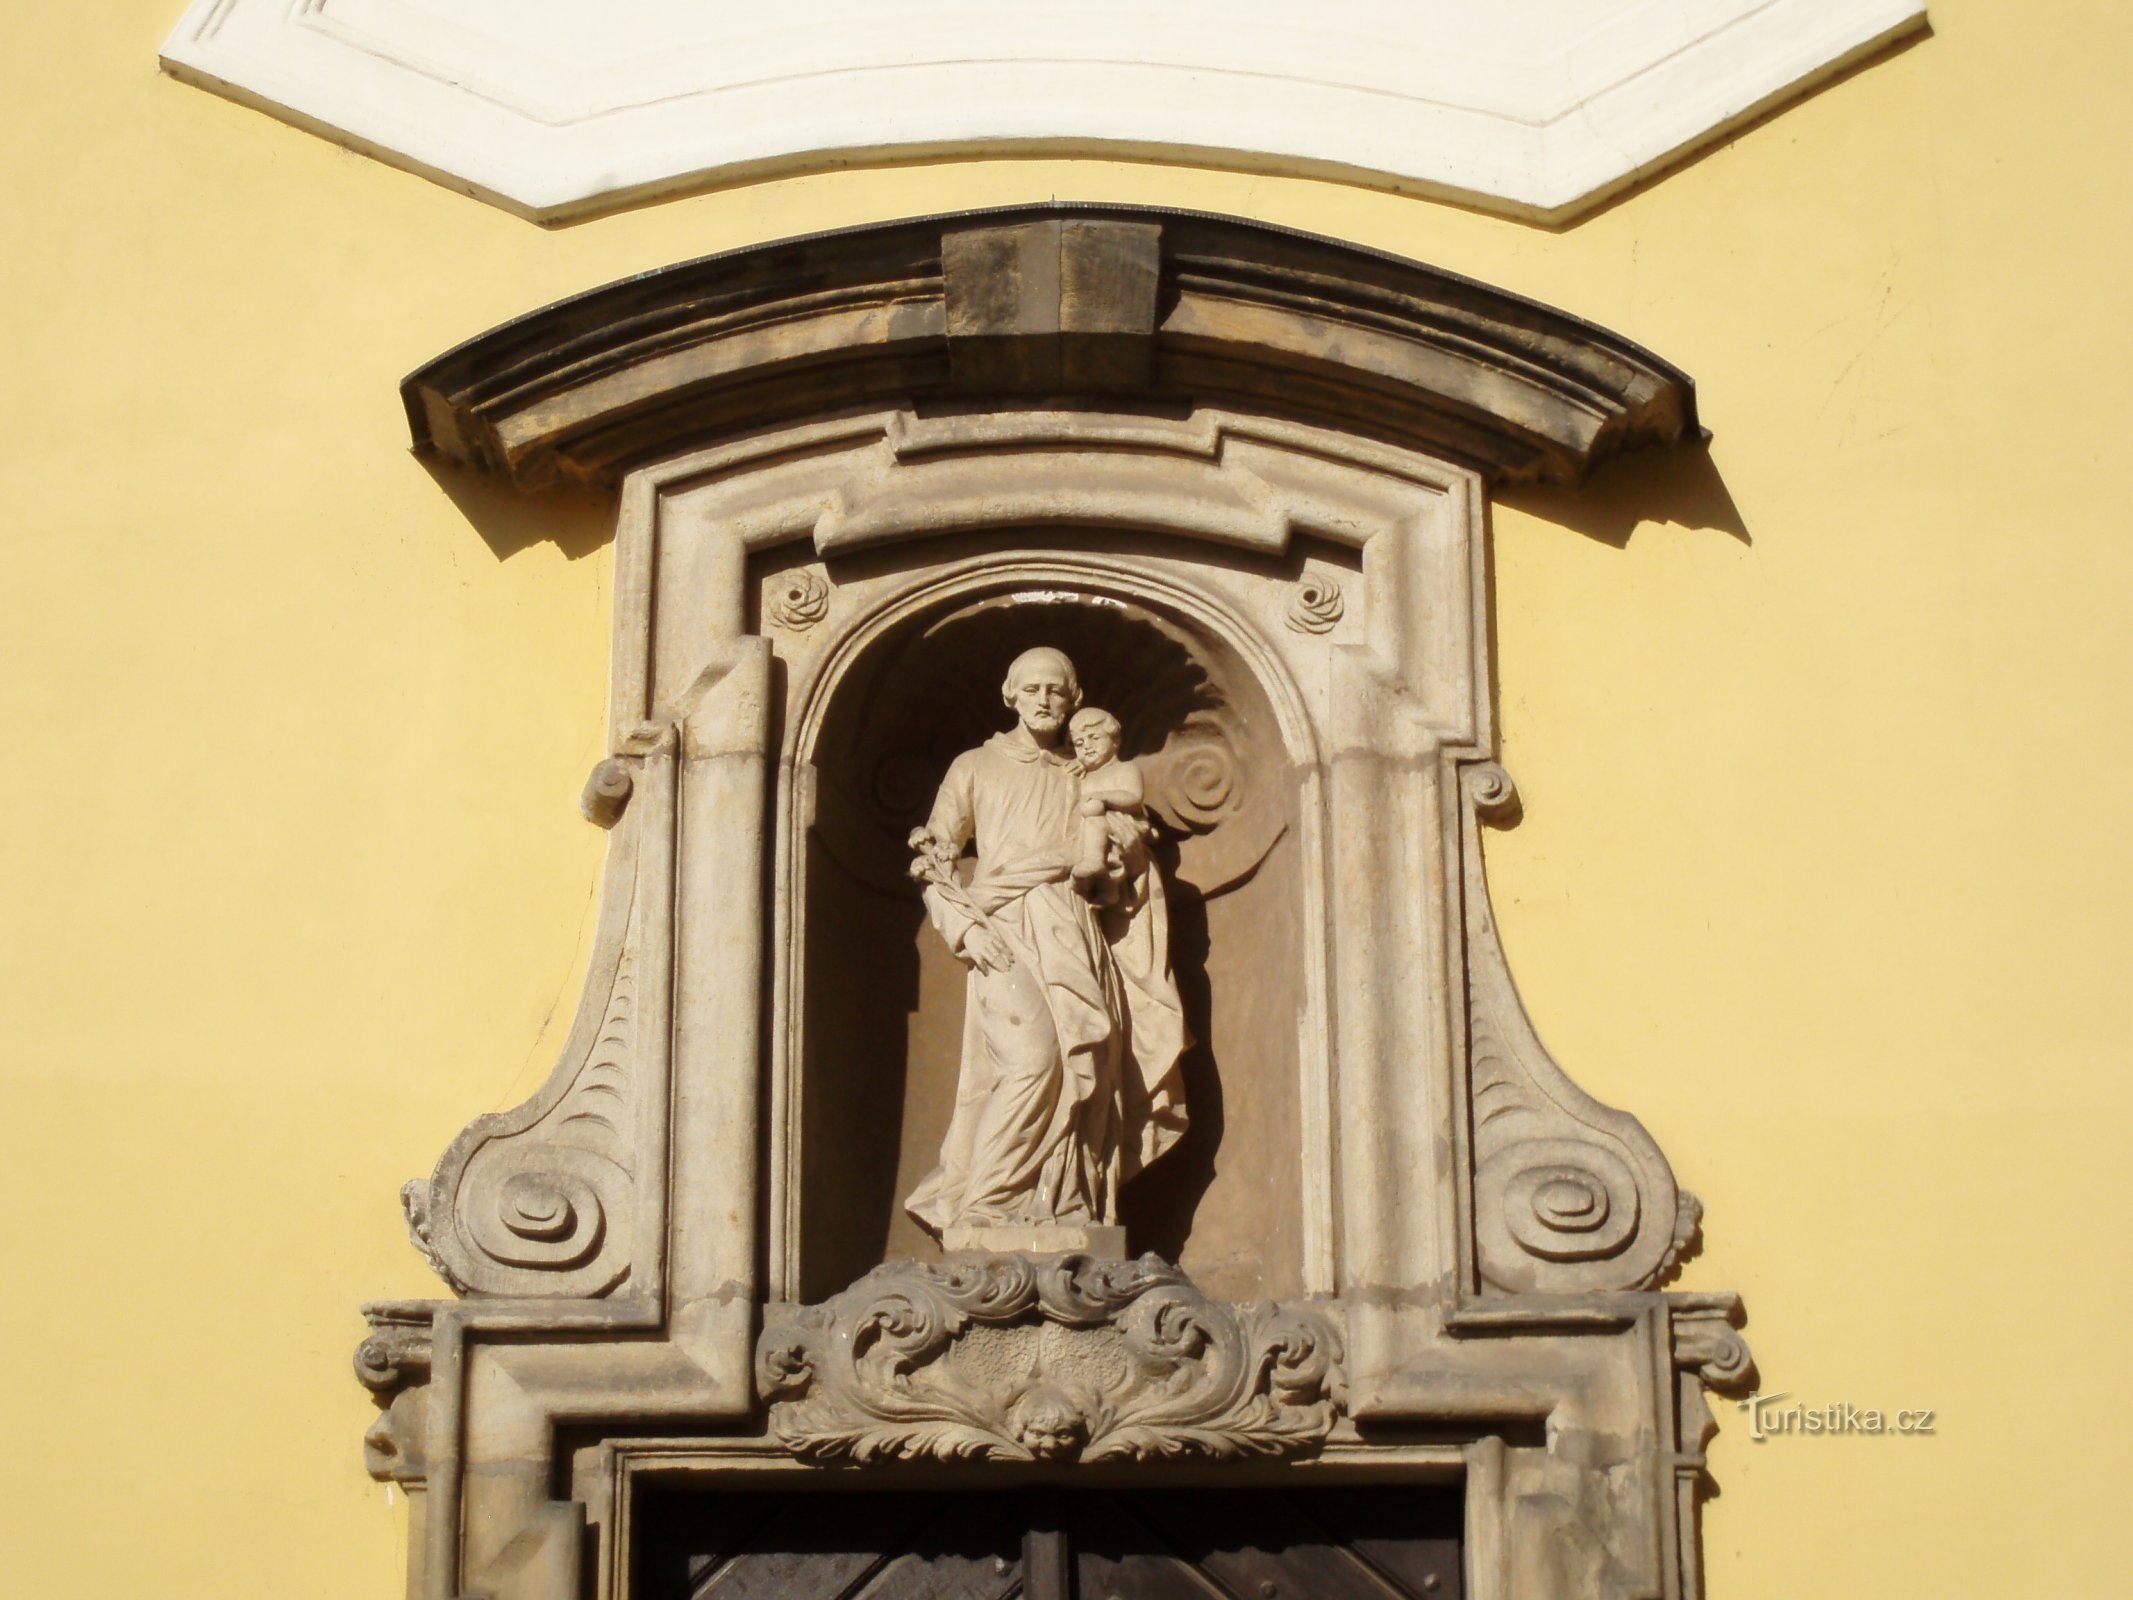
(1824, 868)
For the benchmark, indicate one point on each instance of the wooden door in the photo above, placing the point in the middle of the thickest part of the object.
(1357, 1542)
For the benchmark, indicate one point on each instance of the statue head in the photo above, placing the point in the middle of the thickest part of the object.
(1095, 734)
(1043, 690)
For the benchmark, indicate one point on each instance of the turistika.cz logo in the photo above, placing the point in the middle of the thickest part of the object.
(1770, 1418)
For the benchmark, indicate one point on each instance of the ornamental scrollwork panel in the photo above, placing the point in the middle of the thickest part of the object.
(1020, 1358)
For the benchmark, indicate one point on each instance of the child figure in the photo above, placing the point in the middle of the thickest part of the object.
(1109, 787)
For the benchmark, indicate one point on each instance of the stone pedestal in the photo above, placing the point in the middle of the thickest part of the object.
(1037, 1239)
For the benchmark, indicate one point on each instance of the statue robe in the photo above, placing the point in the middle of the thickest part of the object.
(1044, 1127)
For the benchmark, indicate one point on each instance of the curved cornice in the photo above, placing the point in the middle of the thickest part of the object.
(1127, 305)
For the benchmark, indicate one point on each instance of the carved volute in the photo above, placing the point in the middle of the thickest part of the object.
(1046, 1015)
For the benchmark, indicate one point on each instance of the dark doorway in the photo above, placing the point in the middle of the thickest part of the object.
(1350, 1542)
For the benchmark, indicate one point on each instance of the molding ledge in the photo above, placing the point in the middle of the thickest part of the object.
(1539, 110)
(1153, 307)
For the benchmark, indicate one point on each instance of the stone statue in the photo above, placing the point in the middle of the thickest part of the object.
(1073, 1029)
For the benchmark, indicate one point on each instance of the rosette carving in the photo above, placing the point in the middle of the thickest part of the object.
(1316, 604)
(798, 599)
(1015, 1358)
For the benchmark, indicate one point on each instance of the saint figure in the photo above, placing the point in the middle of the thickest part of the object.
(1072, 1027)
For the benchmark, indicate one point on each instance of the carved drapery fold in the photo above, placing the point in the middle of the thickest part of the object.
(1020, 1358)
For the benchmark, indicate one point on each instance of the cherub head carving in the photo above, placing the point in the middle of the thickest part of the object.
(1095, 734)
(1048, 1424)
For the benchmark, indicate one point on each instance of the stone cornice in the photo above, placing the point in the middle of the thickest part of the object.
(1129, 305)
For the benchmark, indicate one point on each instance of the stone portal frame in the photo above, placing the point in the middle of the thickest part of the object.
(1483, 1242)
(1223, 479)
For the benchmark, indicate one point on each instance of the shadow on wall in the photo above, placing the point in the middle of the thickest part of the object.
(1681, 485)
(576, 521)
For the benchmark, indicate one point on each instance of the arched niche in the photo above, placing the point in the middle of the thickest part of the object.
(1242, 476)
(881, 1000)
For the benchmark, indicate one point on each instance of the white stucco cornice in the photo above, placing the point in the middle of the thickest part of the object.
(553, 109)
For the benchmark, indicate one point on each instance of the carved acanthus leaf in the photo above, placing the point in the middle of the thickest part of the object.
(1020, 1358)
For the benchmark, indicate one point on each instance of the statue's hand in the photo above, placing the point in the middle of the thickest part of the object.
(987, 951)
(1127, 831)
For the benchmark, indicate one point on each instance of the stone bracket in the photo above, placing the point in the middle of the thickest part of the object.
(1569, 1195)
(560, 1195)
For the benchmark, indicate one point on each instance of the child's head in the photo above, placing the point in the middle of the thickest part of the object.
(1095, 733)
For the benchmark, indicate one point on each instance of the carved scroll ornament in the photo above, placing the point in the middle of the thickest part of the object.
(1569, 1195)
(540, 1200)
(1019, 1358)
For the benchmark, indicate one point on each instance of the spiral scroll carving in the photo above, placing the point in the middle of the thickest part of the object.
(1316, 604)
(1198, 785)
(547, 1215)
(1563, 1199)
(607, 793)
(1707, 1343)
(1021, 1359)
(1492, 791)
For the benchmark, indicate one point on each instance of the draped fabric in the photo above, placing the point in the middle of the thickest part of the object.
(1053, 1108)
(1137, 928)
